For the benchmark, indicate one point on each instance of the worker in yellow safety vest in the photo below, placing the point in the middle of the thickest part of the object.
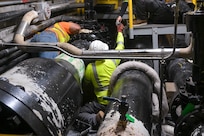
(98, 74)
(59, 32)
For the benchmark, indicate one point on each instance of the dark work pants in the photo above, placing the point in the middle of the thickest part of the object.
(88, 113)
(45, 37)
(156, 11)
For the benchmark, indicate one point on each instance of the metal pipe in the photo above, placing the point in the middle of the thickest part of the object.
(130, 15)
(14, 2)
(26, 20)
(78, 53)
(25, 29)
(73, 51)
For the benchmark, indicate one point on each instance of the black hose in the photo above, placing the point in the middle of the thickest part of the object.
(6, 59)
(13, 14)
(7, 51)
(44, 24)
(60, 7)
(13, 63)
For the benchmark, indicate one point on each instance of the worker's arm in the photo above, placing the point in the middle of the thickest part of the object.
(119, 40)
(123, 8)
(120, 37)
(122, 11)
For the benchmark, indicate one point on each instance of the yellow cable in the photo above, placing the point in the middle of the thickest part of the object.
(195, 3)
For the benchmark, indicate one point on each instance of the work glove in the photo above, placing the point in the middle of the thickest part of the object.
(118, 20)
(120, 27)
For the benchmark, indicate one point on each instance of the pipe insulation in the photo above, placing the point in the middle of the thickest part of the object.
(26, 20)
(153, 75)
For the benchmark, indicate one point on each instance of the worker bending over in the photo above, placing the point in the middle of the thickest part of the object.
(98, 74)
(59, 32)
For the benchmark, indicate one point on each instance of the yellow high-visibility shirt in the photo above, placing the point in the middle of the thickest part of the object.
(102, 70)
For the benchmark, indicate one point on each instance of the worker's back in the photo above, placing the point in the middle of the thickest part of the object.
(99, 72)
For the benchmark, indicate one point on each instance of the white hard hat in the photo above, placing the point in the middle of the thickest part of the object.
(98, 45)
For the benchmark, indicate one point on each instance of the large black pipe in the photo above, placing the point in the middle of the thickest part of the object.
(138, 89)
(42, 95)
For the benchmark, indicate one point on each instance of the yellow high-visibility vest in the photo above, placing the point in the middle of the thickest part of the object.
(62, 36)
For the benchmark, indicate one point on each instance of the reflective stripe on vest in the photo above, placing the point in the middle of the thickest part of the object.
(114, 61)
(100, 86)
(62, 36)
(119, 42)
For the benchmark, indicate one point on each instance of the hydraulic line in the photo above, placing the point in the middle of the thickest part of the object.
(44, 24)
(10, 57)
(7, 51)
(13, 63)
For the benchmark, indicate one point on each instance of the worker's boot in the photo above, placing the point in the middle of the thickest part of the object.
(138, 22)
(99, 116)
(99, 119)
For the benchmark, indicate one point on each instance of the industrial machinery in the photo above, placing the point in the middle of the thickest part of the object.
(187, 106)
(41, 96)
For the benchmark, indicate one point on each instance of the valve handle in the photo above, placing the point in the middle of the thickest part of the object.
(111, 99)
